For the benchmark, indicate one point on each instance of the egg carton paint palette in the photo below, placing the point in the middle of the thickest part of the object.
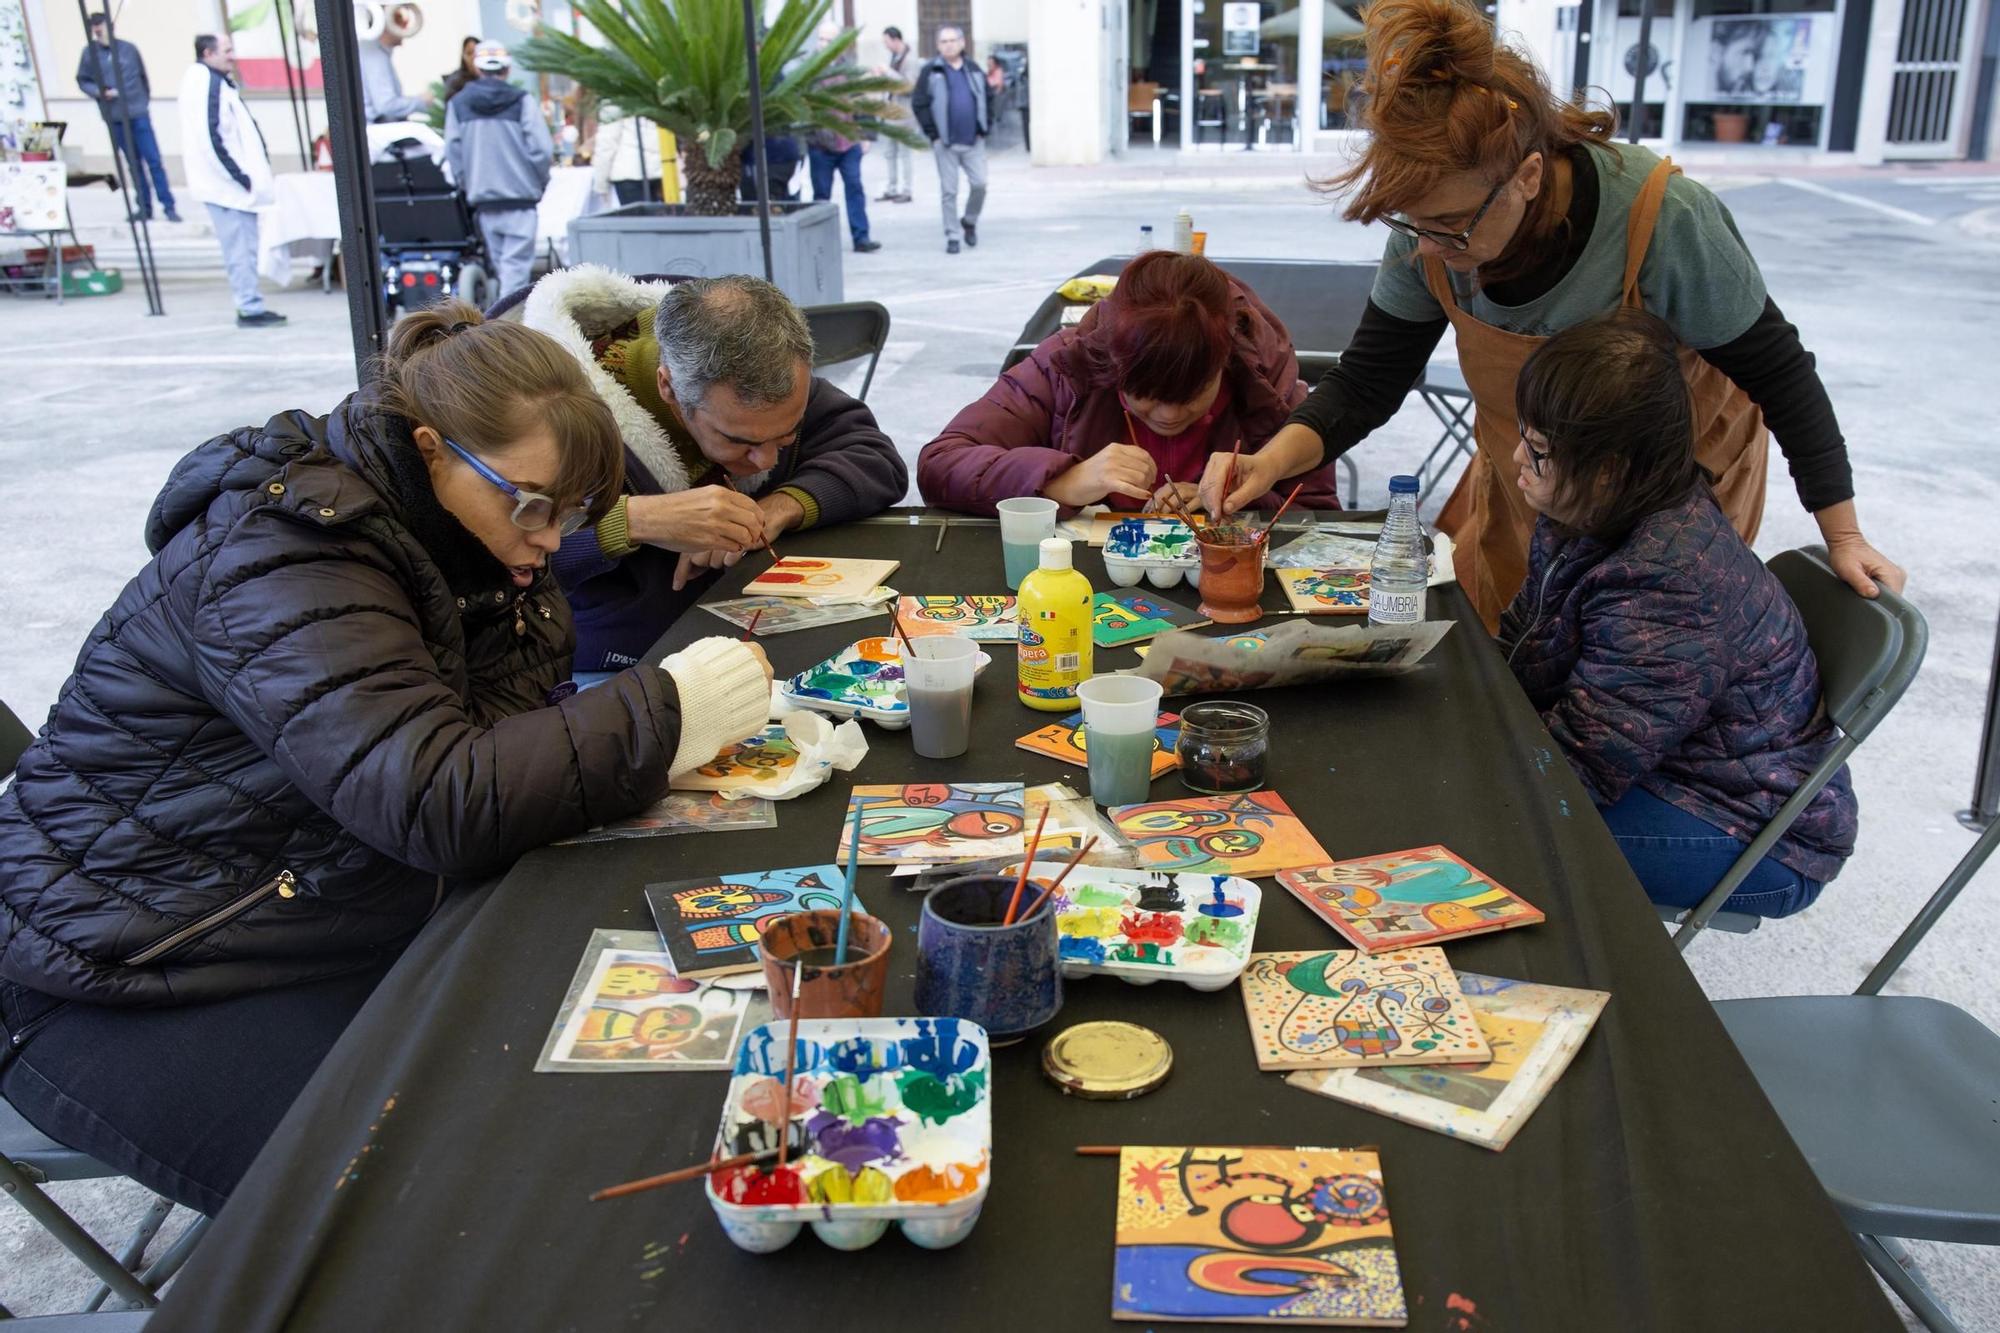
(864, 679)
(1162, 551)
(1147, 926)
(891, 1122)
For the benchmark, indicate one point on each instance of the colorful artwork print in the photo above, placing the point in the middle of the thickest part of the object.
(627, 1010)
(1326, 592)
(891, 1118)
(1146, 926)
(1068, 741)
(820, 576)
(928, 822)
(709, 926)
(781, 615)
(1534, 1031)
(1399, 899)
(684, 812)
(1120, 618)
(1255, 1236)
(1325, 1010)
(1153, 540)
(1251, 834)
(766, 758)
(866, 677)
(981, 619)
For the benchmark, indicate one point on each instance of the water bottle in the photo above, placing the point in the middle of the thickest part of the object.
(1401, 570)
(1145, 238)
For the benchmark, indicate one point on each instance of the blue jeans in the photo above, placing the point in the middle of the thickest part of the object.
(1679, 858)
(236, 233)
(141, 152)
(848, 164)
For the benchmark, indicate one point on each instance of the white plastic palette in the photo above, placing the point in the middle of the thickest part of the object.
(1162, 551)
(1148, 925)
(864, 679)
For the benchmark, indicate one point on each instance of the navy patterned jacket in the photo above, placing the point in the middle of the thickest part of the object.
(1676, 661)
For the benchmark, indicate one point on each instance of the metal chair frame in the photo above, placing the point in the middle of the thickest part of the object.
(848, 332)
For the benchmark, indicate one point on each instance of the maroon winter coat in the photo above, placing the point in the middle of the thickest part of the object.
(1043, 416)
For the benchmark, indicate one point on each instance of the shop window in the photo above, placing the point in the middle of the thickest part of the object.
(1770, 126)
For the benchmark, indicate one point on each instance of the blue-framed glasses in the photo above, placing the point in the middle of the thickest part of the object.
(533, 511)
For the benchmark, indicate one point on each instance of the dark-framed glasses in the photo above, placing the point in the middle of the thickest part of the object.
(533, 511)
(1450, 240)
(1536, 457)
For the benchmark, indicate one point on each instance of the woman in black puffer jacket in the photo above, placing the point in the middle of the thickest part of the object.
(340, 684)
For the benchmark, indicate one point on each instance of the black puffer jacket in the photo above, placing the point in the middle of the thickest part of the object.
(321, 699)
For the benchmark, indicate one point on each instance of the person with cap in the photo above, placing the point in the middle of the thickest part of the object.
(382, 97)
(500, 153)
(228, 169)
(112, 74)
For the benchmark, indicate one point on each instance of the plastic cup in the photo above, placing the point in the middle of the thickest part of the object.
(1120, 715)
(1024, 522)
(829, 989)
(938, 671)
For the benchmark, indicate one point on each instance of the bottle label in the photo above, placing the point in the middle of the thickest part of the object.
(1389, 607)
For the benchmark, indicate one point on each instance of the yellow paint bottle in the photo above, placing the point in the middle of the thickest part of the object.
(1054, 611)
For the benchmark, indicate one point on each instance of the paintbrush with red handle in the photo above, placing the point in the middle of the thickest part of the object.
(1021, 884)
(751, 628)
(1074, 862)
(1281, 510)
(695, 1172)
(791, 1066)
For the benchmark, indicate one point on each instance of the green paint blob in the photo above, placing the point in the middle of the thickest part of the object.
(1096, 895)
(848, 1097)
(1224, 931)
(937, 1101)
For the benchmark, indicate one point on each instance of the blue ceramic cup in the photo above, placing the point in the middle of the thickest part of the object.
(1007, 979)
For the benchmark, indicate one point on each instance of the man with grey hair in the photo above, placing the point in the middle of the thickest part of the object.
(949, 102)
(730, 441)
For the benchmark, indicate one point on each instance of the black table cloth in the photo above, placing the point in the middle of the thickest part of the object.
(428, 1179)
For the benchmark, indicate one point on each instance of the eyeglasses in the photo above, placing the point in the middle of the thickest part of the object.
(1536, 457)
(1450, 240)
(533, 511)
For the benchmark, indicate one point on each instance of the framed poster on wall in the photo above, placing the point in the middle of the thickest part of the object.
(1239, 27)
(1762, 59)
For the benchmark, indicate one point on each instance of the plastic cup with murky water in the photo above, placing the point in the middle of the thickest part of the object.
(1119, 717)
(1024, 522)
(937, 672)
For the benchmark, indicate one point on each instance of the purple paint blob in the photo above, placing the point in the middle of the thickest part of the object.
(854, 1146)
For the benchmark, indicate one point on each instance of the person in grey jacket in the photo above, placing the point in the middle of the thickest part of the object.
(949, 102)
(382, 98)
(112, 74)
(499, 149)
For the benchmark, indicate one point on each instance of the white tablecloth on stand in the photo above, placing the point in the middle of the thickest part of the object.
(568, 197)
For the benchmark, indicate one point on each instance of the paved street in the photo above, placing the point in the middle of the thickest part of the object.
(1889, 274)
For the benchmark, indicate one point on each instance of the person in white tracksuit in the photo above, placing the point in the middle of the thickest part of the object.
(228, 169)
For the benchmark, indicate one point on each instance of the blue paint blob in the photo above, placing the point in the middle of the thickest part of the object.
(1221, 906)
(938, 1049)
(1083, 948)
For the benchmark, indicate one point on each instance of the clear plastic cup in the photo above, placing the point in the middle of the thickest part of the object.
(1120, 715)
(938, 671)
(1024, 522)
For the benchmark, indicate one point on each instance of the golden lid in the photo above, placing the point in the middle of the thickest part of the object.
(1107, 1061)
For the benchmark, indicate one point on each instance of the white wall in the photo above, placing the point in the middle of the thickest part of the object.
(997, 21)
(1066, 81)
(1529, 26)
(871, 16)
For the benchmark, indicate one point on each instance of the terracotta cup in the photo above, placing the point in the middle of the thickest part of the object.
(828, 990)
(1232, 581)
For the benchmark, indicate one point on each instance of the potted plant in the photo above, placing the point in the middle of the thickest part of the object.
(682, 65)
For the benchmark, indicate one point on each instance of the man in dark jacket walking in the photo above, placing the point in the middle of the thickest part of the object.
(112, 74)
(500, 153)
(949, 103)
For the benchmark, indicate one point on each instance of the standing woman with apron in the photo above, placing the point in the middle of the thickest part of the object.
(1516, 217)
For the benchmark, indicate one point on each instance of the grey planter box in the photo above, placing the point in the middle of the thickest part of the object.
(807, 243)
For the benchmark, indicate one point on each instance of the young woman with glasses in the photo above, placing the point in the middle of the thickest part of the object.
(340, 686)
(1668, 663)
(1515, 217)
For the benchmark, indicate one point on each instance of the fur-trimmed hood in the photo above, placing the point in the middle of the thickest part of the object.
(574, 305)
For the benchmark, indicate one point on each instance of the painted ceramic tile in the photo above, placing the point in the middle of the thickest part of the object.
(1340, 1007)
(865, 677)
(1534, 1031)
(1120, 618)
(766, 758)
(891, 1120)
(627, 1011)
(1153, 540)
(1255, 1236)
(981, 619)
(781, 615)
(930, 822)
(1066, 740)
(685, 812)
(1251, 834)
(710, 925)
(1147, 926)
(820, 576)
(1326, 592)
(1398, 899)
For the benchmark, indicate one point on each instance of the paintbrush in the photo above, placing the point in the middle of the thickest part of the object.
(751, 628)
(1021, 884)
(1229, 478)
(792, 1056)
(1176, 508)
(1281, 510)
(730, 482)
(896, 619)
(696, 1172)
(1074, 862)
(847, 895)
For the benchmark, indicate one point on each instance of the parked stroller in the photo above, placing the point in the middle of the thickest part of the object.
(430, 244)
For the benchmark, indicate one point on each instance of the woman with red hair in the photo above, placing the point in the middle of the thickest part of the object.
(1177, 365)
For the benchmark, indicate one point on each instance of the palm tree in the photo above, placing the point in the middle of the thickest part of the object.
(681, 65)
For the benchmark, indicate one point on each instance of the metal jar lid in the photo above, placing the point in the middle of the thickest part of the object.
(1107, 1061)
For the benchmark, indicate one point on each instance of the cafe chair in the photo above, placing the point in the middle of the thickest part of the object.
(1892, 1099)
(1211, 111)
(848, 332)
(1142, 103)
(1869, 650)
(1445, 393)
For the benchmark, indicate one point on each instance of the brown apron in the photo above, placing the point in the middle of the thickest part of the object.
(1487, 517)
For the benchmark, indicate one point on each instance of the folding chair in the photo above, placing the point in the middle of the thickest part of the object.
(1891, 1098)
(112, 1321)
(1446, 394)
(848, 332)
(1868, 651)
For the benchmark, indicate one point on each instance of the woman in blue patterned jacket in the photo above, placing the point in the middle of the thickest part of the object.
(1664, 658)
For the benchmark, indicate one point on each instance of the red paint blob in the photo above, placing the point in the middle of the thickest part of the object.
(750, 1185)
